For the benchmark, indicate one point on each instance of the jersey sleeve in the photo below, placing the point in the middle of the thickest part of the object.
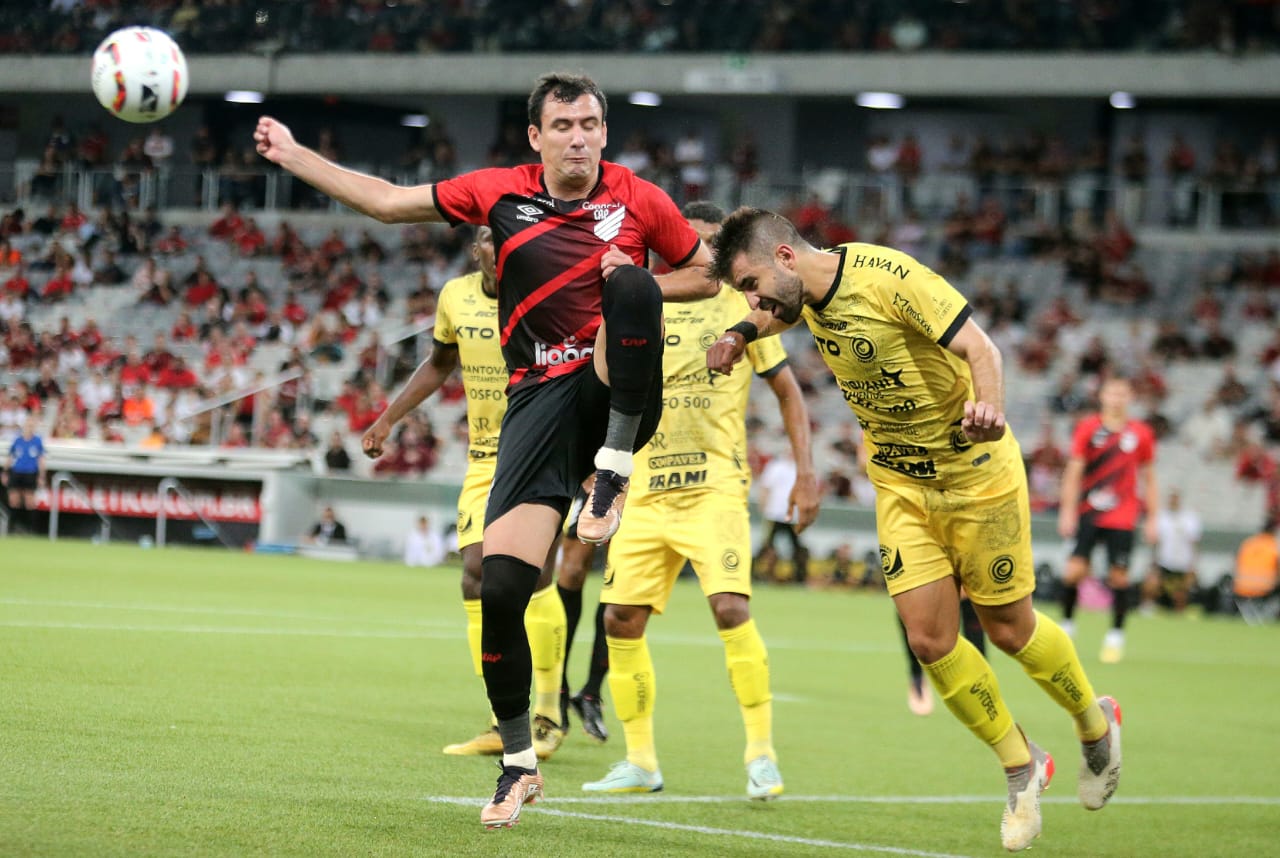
(922, 299)
(468, 198)
(445, 332)
(1080, 439)
(1147, 449)
(767, 355)
(667, 233)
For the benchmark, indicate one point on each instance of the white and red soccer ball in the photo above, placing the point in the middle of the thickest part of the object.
(139, 74)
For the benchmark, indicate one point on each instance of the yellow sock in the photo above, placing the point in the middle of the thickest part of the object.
(634, 691)
(472, 607)
(545, 623)
(748, 663)
(968, 686)
(1050, 659)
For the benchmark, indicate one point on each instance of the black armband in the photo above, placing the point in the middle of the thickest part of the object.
(749, 331)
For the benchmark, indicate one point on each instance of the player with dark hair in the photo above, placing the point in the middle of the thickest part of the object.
(690, 505)
(1109, 481)
(927, 386)
(582, 340)
(466, 336)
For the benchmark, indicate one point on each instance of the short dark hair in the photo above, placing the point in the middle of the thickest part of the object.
(703, 210)
(565, 87)
(745, 231)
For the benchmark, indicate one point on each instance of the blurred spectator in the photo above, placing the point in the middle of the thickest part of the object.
(423, 546)
(1173, 574)
(336, 457)
(328, 530)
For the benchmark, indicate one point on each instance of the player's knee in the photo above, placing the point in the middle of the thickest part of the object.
(1118, 578)
(1075, 571)
(631, 290)
(730, 610)
(471, 583)
(625, 621)
(505, 587)
(930, 645)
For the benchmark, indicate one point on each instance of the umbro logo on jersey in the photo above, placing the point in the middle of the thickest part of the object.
(528, 213)
(608, 228)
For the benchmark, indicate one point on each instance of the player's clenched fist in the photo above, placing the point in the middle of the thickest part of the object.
(725, 352)
(982, 422)
(275, 140)
(374, 438)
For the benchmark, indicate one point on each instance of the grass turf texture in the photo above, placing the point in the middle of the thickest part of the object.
(191, 702)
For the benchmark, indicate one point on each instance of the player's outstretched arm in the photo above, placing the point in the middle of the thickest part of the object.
(426, 380)
(691, 281)
(803, 506)
(368, 195)
(731, 346)
(984, 416)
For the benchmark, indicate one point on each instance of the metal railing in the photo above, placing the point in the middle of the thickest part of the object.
(55, 502)
(171, 484)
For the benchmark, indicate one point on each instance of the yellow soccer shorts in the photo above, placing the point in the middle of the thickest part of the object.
(472, 500)
(712, 531)
(982, 534)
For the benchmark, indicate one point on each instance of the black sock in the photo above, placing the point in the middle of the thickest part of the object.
(572, 600)
(599, 657)
(507, 584)
(1070, 593)
(632, 309)
(913, 664)
(972, 626)
(1119, 606)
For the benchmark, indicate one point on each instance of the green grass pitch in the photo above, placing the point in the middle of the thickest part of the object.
(185, 702)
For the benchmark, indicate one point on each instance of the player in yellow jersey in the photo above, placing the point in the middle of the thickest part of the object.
(688, 501)
(466, 335)
(926, 384)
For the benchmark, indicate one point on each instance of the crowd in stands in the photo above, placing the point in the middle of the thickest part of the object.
(325, 306)
(321, 299)
(422, 26)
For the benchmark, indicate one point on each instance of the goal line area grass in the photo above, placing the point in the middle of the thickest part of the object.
(200, 702)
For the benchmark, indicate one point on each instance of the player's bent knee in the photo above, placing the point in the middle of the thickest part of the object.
(505, 587)
(630, 288)
(625, 621)
(730, 612)
(929, 647)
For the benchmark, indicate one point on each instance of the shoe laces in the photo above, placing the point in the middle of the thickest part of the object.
(608, 484)
(509, 777)
(1097, 754)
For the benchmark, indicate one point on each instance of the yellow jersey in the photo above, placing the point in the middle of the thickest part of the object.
(883, 329)
(701, 442)
(468, 318)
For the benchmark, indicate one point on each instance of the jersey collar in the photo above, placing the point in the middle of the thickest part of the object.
(835, 283)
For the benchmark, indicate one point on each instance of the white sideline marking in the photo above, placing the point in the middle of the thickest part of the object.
(719, 832)
(219, 612)
(1207, 800)
(231, 630)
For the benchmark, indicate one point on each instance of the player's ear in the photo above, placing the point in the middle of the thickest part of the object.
(785, 255)
(604, 134)
(535, 139)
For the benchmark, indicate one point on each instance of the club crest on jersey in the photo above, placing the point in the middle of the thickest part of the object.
(1128, 442)
(609, 223)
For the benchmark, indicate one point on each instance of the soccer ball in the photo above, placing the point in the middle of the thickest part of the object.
(139, 74)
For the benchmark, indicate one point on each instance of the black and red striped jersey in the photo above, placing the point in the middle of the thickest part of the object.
(1109, 484)
(549, 252)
